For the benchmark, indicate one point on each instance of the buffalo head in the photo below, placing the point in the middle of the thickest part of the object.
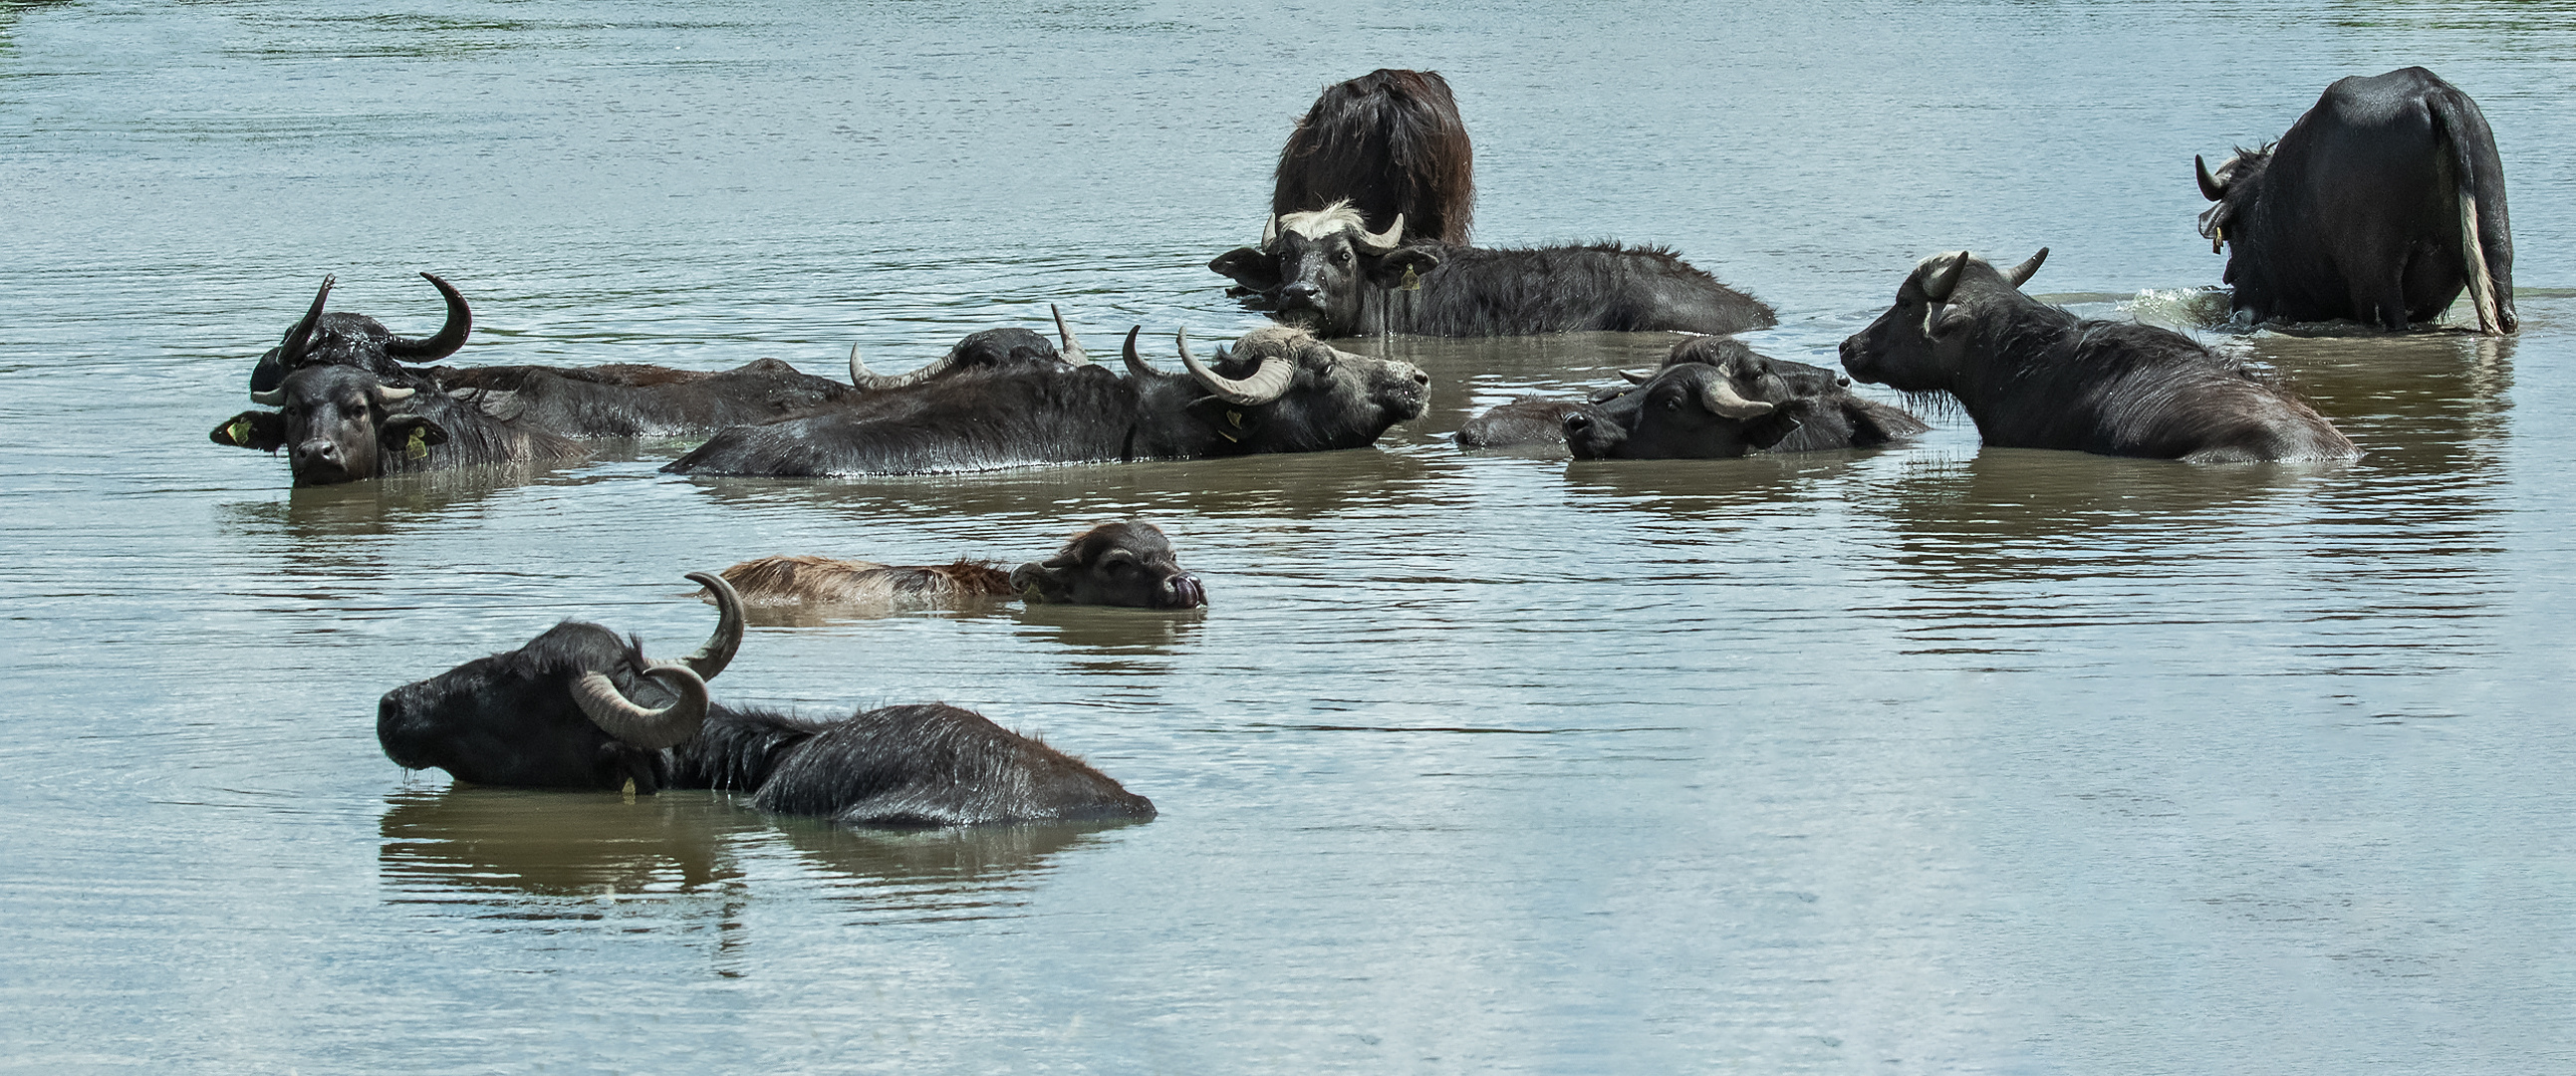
(336, 423)
(1282, 390)
(991, 349)
(321, 339)
(1126, 563)
(576, 707)
(1316, 268)
(1918, 343)
(1693, 409)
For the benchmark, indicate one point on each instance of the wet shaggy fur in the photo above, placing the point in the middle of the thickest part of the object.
(808, 580)
(630, 400)
(920, 765)
(1530, 420)
(510, 720)
(339, 408)
(1391, 143)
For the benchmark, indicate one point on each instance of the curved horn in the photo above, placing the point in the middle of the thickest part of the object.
(1944, 279)
(275, 397)
(1382, 242)
(1269, 232)
(1267, 383)
(2210, 187)
(1637, 377)
(718, 653)
(1072, 349)
(2019, 274)
(1720, 397)
(299, 337)
(460, 321)
(652, 730)
(864, 378)
(387, 394)
(1136, 364)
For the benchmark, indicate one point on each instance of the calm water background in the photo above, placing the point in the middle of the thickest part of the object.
(1929, 760)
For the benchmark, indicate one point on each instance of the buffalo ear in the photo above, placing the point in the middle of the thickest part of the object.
(1248, 267)
(410, 434)
(1039, 584)
(1771, 429)
(1945, 320)
(262, 430)
(1403, 269)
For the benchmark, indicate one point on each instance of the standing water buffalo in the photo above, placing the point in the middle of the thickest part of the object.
(2035, 376)
(343, 424)
(1126, 563)
(1278, 391)
(1326, 272)
(1389, 142)
(577, 707)
(2380, 205)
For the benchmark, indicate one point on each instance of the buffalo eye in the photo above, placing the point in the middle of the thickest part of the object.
(1341, 257)
(1671, 404)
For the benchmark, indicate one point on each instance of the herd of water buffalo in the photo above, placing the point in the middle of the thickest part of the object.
(2381, 204)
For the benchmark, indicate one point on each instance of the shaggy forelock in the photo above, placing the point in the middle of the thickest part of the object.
(1324, 223)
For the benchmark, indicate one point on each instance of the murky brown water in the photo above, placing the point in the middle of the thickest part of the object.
(1926, 760)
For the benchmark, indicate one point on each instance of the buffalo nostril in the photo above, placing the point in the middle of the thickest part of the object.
(1420, 378)
(1578, 422)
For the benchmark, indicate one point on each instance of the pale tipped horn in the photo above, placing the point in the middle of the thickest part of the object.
(1136, 364)
(1268, 382)
(451, 336)
(275, 397)
(387, 394)
(1720, 397)
(1269, 231)
(2020, 274)
(637, 726)
(2210, 187)
(1382, 242)
(1944, 279)
(868, 379)
(719, 649)
(1072, 349)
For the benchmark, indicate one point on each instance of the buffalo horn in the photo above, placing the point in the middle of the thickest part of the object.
(713, 657)
(1637, 377)
(291, 349)
(864, 378)
(1944, 279)
(275, 397)
(1136, 364)
(2210, 187)
(387, 394)
(1384, 241)
(1267, 383)
(1720, 398)
(1269, 231)
(652, 730)
(1072, 350)
(2021, 274)
(460, 321)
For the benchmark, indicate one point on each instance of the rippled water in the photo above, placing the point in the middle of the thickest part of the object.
(1928, 760)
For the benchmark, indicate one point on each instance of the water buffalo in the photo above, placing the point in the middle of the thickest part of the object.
(343, 424)
(1279, 390)
(2036, 376)
(1715, 398)
(577, 707)
(1325, 272)
(2379, 205)
(338, 339)
(1126, 563)
(1389, 142)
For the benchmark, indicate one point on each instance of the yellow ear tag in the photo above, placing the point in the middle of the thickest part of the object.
(1411, 282)
(2216, 236)
(629, 790)
(419, 446)
(1235, 417)
(239, 431)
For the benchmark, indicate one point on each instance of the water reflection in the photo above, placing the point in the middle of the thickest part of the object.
(1299, 486)
(1111, 634)
(466, 840)
(950, 873)
(1721, 492)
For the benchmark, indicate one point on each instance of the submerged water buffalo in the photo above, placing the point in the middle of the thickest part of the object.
(2036, 376)
(580, 708)
(1326, 272)
(2379, 205)
(1715, 398)
(1279, 390)
(1127, 563)
(1391, 144)
(342, 424)
(356, 340)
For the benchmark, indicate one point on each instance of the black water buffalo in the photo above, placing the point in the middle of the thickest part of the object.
(1715, 398)
(577, 707)
(1128, 563)
(1389, 142)
(1278, 391)
(1325, 272)
(2379, 205)
(2036, 376)
(339, 339)
(343, 424)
